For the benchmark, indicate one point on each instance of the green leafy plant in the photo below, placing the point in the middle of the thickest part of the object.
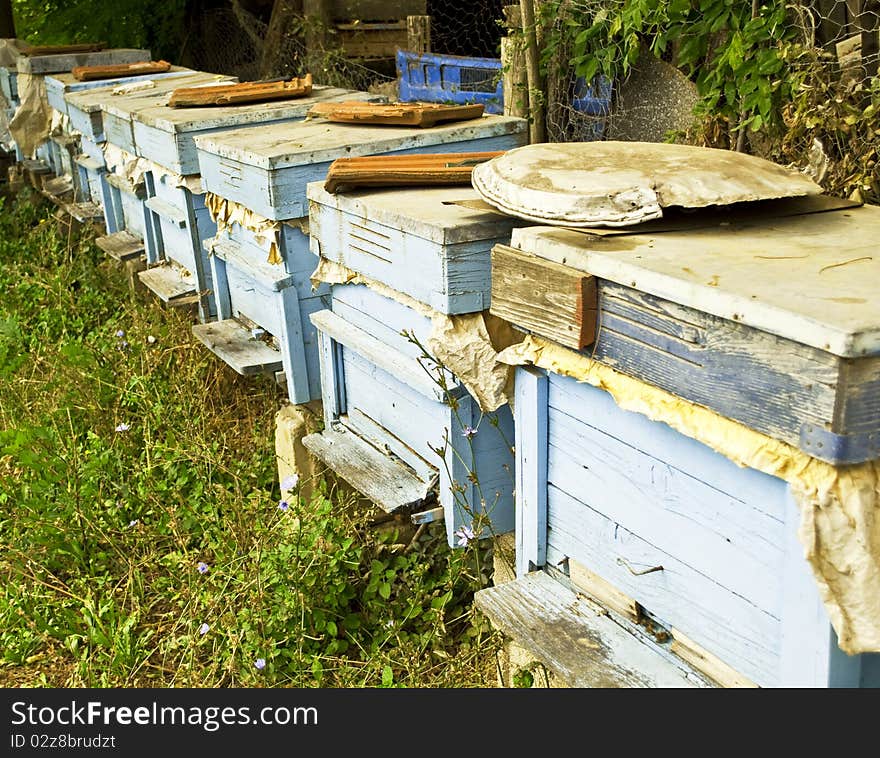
(145, 539)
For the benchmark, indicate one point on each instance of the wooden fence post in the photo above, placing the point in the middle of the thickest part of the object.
(514, 82)
(537, 131)
(418, 34)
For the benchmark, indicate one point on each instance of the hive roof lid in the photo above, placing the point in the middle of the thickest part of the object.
(581, 184)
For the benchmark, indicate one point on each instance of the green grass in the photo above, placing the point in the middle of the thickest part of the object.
(102, 530)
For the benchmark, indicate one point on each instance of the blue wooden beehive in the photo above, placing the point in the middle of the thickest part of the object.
(178, 266)
(59, 160)
(428, 245)
(434, 78)
(387, 421)
(700, 546)
(68, 146)
(421, 241)
(265, 171)
(102, 116)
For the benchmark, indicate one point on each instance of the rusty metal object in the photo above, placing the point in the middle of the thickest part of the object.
(86, 47)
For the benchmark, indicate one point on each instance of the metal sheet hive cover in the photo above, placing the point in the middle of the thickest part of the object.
(607, 183)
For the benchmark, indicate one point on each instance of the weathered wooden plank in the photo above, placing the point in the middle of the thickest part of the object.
(84, 212)
(703, 358)
(531, 445)
(382, 439)
(345, 174)
(167, 211)
(708, 664)
(118, 70)
(121, 246)
(604, 592)
(546, 298)
(403, 412)
(384, 319)
(716, 534)
(423, 115)
(580, 645)
(270, 277)
(243, 92)
(584, 405)
(234, 344)
(376, 10)
(168, 282)
(388, 483)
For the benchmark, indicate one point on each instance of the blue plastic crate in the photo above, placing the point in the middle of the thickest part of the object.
(433, 78)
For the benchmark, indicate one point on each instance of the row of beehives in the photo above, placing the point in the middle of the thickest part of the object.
(675, 539)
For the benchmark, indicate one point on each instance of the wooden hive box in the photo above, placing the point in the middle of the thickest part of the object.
(385, 418)
(84, 161)
(181, 223)
(102, 116)
(693, 553)
(266, 170)
(767, 318)
(417, 240)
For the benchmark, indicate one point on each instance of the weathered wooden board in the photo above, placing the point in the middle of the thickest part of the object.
(119, 70)
(243, 92)
(52, 63)
(121, 246)
(345, 174)
(268, 170)
(379, 477)
(546, 298)
(423, 115)
(376, 10)
(232, 342)
(168, 282)
(808, 278)
(580, 645)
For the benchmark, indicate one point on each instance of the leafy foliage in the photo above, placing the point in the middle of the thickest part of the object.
(122, 23)
(763, 83)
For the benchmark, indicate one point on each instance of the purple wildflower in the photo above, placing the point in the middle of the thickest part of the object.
(468, 432)
(260, 664)
(290, 482)
(202, 567)
(123, 427)
(283, 506)
(203, 629)
(465, 534)
(120, 333)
